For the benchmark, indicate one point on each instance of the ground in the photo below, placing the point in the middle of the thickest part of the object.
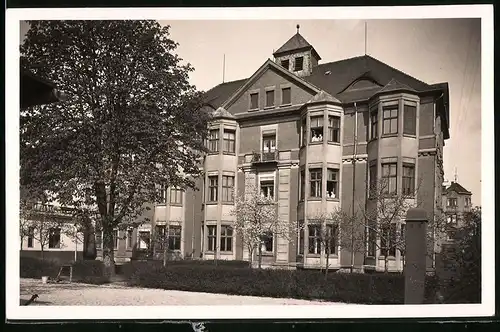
(119, 294)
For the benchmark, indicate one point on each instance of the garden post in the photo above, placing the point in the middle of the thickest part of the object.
(416, 249)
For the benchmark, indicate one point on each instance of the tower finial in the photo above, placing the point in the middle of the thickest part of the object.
(298, 28)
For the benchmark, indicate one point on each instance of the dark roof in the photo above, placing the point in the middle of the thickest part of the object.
(342, 74)
(35, 90)
(297, 42)
(456, 187)
(394, 85)
(220, 93)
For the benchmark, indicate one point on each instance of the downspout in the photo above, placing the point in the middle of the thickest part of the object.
(354, 182)
(193, 237)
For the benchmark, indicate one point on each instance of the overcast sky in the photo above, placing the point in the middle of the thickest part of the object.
(431, 50)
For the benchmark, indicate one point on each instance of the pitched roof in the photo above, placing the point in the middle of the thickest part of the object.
(456, 187)
(221, 113)
(395, 85)
(295, 43)
(322, 97)
(342, 74)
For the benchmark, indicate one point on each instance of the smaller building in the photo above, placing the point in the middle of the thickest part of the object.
(53, 230)
(456, 201)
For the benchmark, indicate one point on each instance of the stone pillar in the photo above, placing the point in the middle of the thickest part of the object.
(416, 251)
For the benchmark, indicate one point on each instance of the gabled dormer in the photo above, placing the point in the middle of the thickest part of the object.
(297, 55)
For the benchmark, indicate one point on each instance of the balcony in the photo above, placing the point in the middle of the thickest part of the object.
(265, 157)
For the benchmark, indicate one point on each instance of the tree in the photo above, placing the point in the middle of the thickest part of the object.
(131, 119)
(466, 256)
(326, 226)
(382, 218)
(257, 219)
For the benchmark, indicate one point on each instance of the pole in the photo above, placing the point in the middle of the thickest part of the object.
(366, 34)
(354, 183)
(193, 236)
(76, 243)
(224, 68)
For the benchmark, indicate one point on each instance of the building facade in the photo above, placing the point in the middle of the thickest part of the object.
(312, 136)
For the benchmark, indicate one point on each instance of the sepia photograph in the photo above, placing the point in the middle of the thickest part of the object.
(316, 166)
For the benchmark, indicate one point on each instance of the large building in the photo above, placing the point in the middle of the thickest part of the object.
(312, 135)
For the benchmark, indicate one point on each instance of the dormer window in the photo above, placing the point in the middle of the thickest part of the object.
(299, 63)
(285, 64)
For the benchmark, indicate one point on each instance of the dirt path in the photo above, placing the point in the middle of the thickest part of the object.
(119, 294)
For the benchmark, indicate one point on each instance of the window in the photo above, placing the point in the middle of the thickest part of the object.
(213, 188)
(389, 178)
(452, 202)
(333, 129)
(115, 239)
(450, 235)
(227, 188)
(286, 96)
(160, 231)
(175, 196)
(270, 98)
(299, 63)
(31, 236)
(163, 194)
(267, 242)
(390, 121)
(373, 181)
(302, 184)
(254, 101)
(301, 241)
(388, 240)
(268, 143)
(317, 129)
(130, 236)
(314, 239)
(408, 180)
(98, 239)
(213, 140)
(372, 242)
(468, 201)
(174, 237)
(331, 236)
(226, 238)
(374, 124)
(315, 181)
(55, 238)
(144, 240)
(410, 120)
(267, 189)
(304, 132)
(451, 219)
(285, 64)
(212, 237)
(229, 141)
(332, 183)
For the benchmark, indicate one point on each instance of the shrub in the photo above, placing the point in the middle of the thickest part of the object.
(87, 271)
(350, 288)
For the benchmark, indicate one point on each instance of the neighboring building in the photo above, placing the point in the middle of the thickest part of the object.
(294, 129)
(456, 201)
(54, 227)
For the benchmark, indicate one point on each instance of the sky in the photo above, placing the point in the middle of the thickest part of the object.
(431, 50)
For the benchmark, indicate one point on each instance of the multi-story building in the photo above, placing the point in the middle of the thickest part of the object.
(456, 201)
(312, 135)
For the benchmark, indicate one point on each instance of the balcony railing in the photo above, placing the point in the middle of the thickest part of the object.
(265, 156)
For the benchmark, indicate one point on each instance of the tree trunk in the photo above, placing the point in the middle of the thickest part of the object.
(386, 258)
(327, 262)
(260, 256)
(250, 256)
(41, 251)
(108, 253)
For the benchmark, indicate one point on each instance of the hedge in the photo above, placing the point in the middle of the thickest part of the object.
(86, 271)
(299, 284)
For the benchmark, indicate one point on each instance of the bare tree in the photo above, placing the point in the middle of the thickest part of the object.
(257, 218)
(384, 215)
(326, 227)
